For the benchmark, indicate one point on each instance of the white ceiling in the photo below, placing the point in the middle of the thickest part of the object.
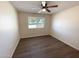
(34, 6)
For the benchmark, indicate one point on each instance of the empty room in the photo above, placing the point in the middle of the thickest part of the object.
(39, 29)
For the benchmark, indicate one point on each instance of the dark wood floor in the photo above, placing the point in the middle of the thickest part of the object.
(44, 47)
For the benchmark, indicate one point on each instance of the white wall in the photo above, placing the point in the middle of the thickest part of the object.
(65, 26)
(8, 29)
(23, 25)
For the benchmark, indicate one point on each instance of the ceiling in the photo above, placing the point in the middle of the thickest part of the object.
(34, 6)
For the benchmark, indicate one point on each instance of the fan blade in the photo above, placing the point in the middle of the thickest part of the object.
(40, 11)
(52, 6)
(46, 5)
(48, 10)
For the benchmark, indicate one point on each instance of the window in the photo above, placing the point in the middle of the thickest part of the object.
(36, 22)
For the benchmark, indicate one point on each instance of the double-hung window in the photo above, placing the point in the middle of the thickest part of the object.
(36, 22)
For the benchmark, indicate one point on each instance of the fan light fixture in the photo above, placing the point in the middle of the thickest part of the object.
(43, 3)
(44, 10)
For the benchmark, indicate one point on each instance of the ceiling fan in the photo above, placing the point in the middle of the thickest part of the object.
(45, 7)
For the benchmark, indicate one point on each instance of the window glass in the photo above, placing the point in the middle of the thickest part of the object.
(36, 22)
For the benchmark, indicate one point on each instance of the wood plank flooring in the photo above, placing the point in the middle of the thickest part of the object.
(44, 47)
